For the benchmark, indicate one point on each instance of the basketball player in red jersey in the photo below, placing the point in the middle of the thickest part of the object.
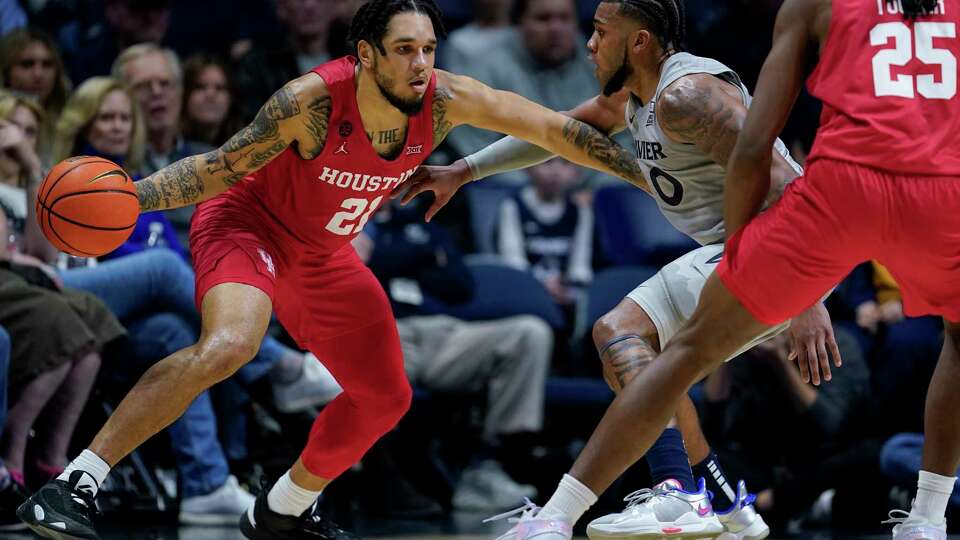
(285, 197)
(882, 182)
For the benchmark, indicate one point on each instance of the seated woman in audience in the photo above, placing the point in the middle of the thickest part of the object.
(21, 127)
(30, 63)
(57, 335)
(210, 110)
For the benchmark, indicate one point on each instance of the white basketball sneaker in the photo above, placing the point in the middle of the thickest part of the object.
(664, 511)
(910, 527)
(742, 522)
(531, 525)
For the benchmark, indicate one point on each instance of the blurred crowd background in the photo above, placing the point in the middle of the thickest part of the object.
(495, 299)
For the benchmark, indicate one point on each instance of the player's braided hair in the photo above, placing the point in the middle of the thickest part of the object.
(666, 19)
(915, 8)
(370, 22)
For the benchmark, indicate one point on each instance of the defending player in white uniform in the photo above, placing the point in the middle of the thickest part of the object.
(683, 133)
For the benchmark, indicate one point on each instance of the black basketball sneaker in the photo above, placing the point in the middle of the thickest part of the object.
(261, 523)
(62, 510)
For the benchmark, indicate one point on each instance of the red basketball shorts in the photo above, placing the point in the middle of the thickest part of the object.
(315, 296)
(837, 216)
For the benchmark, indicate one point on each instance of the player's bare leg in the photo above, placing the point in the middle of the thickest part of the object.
(941, 448)
(718, 328)
(235, 319)
(628, 341)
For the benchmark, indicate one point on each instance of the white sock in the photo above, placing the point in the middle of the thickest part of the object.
(289, 499)
(571, 500)
(933, 492)
(96, 468)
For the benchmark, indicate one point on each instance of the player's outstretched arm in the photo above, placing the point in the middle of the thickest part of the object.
(748, 174)
(201, 177)
(508, 154)
(478, 105)
(605, 113)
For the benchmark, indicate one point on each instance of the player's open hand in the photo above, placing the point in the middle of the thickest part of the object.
(442, 181)
(811, 336)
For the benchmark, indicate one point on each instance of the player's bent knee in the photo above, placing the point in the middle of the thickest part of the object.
(223, 353)
(399, 400)
(619, 323)
(604, 330)
(384, 410)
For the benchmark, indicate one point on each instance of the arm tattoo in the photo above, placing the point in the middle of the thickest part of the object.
(257, 159)
(441, 126)
(623, 360)
(697, 113)
(318, 119)
(176, 185)
(149, 196)
(265, 126)
(186, 181)
(605, 150)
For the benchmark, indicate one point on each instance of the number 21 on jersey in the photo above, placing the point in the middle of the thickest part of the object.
(909, 44)
(346, 223)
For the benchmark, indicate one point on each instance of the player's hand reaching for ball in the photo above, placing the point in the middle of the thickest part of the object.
(811, 336)
(442, 181)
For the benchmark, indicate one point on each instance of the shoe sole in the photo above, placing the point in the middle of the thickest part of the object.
(735, 536)
(247, 530)
(659, 535)
(759, 531)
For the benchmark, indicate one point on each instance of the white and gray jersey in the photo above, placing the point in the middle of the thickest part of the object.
(688, 184)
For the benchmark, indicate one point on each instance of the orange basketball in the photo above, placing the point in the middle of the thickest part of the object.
(87, 206)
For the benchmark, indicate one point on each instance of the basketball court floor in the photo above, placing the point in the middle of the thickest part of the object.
(456, 527)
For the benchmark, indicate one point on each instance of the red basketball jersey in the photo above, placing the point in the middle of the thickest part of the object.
(324, 203)
(889, 88)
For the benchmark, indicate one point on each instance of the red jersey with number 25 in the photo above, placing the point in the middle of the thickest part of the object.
(889, 88)
(324, 203)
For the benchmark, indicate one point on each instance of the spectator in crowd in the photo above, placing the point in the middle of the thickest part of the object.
(543, 60)
(90, 49)
(542, 228)
(12, 494)
(102, 119)
(156, 302)
(57, 336)
(21, 127)
(210, 108)
(507, 358)
(470, 43)
(156, 77)
(12, 16)
(902, 352)
(789, 439)
(31, 64)
(268, 66)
